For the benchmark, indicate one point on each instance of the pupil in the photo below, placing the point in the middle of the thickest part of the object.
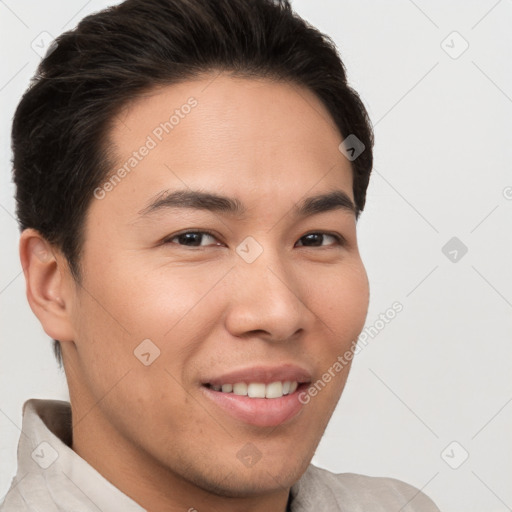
(311, 237)
(190, 237)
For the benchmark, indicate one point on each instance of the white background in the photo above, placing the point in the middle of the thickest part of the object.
(440, 371)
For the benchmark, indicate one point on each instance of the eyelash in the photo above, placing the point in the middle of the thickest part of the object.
(339, 238)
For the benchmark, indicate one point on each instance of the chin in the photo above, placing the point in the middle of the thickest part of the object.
(240, 482)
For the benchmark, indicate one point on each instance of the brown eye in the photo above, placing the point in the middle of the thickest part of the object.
(190, 238)
(317, 239)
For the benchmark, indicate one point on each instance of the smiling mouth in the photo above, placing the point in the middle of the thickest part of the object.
(260, 395)
(276, 389)
(257, 403)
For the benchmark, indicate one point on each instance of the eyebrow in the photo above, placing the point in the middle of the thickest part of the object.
(198, 200)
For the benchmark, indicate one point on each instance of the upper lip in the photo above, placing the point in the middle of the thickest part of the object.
(262, 374)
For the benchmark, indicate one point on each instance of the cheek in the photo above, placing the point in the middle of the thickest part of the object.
(340, 301)
(146, 302)
(340, 298)
(118, 310)
(174, 308)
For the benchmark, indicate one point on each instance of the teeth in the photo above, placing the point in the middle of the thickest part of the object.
(240, 388)
(258, 389)
(274, 390)
(255, 390)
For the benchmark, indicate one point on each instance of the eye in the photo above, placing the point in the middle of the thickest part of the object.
(315, 239)
(190, 238)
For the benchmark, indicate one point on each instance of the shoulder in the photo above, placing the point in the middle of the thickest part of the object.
(353, 493)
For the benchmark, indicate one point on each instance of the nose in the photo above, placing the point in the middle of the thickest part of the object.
(267, 300)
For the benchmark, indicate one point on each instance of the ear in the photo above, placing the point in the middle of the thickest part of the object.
(49, 285)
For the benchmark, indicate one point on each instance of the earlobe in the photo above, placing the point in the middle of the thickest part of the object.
(48, 288)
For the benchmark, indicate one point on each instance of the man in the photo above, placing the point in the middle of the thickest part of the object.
(189, 175)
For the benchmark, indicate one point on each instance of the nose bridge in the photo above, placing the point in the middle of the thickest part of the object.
(267, 297)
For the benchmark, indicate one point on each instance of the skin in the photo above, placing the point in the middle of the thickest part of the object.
(149, 429)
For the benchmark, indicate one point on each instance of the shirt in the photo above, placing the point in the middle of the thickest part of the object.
(51, 477)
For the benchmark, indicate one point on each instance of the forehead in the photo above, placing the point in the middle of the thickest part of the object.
(234, 135)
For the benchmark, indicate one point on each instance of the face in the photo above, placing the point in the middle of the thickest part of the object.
(185, 298)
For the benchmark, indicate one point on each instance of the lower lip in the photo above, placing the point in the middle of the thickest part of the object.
(261, 412)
